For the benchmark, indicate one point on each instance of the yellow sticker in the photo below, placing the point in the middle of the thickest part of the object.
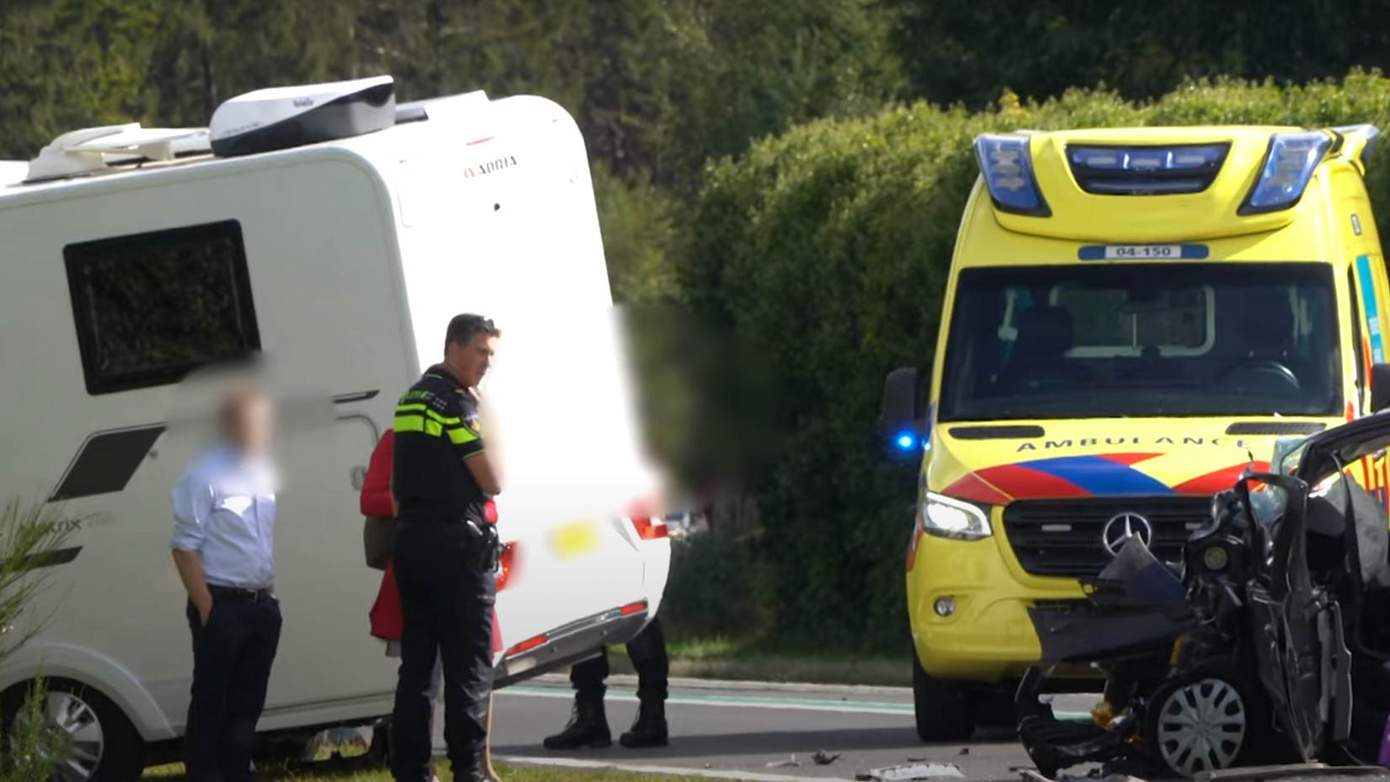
(575, 539)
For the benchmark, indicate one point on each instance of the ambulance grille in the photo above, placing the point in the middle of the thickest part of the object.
(1064, 537)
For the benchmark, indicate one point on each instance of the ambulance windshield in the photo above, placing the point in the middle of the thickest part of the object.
(1132, 340)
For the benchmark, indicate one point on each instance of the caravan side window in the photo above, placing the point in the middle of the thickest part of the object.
(150, 307)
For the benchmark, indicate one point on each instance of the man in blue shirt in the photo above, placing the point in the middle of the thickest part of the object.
(223, 542)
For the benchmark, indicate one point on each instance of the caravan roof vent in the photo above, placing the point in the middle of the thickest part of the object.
(93, 149)
(284, 117)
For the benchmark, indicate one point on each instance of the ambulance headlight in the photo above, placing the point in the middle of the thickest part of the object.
(945, 517)
(1007, 168)
(1288, 166)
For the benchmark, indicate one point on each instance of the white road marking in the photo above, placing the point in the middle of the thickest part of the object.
(708, 773)
(733, 701)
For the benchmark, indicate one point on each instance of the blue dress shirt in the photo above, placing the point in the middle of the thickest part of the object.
(224, 509)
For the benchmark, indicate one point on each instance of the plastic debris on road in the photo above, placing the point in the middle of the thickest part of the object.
(912, 771)
(790, 762)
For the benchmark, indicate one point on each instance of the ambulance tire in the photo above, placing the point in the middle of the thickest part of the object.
(112, 750)
(993, 707)
(941, 706)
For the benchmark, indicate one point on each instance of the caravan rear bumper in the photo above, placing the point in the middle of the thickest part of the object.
(570, 643)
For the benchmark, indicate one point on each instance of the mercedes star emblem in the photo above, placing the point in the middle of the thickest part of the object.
(1124, 526)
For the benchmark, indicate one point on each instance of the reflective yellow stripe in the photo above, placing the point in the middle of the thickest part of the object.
(414, 423)
(400, 409)
(461, 435)
(442, 419)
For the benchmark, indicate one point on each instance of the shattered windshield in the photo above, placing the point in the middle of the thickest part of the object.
(1171, 339)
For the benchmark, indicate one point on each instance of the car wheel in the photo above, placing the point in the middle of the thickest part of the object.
(94, 738)
(1205, 721)
(940, 706)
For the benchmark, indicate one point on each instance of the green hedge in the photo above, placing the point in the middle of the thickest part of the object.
(828, 248)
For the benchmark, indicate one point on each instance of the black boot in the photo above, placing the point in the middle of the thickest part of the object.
(649, 729)
(468, 769)
(588, 727)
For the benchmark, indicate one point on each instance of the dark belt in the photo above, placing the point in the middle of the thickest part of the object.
(245, 595)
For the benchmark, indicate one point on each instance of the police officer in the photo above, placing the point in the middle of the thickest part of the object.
(445, 555)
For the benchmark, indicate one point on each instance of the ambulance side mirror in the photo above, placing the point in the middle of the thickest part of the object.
(1380, 387)
(902, 426)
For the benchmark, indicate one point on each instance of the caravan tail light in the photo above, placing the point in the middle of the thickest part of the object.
(528, 645)
(506, 565)
(633, 608)
(645, 519)
(649, 528)
(1288, 166)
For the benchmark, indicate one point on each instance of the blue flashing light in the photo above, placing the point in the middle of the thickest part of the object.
(1146, 171)
(905, 441)
(1144, 160)
(1288, 167)
(1008, 171)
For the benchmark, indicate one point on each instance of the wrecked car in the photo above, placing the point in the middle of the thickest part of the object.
(1268, 642)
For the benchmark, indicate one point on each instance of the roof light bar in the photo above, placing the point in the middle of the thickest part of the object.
(1007, 168)
(1111, 170)
(1288, 167)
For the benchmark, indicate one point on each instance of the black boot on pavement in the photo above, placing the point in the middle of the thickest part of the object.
(588, 727)
(649, 729)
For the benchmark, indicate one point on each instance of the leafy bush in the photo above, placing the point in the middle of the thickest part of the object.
(29, 534)
(828, 247)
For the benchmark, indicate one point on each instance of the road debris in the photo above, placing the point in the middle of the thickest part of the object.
(912, 771)
(790, 762)
(823, 758)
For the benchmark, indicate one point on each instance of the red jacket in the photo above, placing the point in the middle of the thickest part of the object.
(376, 488)
(386, 617)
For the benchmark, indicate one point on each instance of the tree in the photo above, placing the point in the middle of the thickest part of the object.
(968, 52)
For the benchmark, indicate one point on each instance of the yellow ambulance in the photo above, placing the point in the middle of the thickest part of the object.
(1132, 317)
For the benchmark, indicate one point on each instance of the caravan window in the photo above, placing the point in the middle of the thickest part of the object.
(151, 307)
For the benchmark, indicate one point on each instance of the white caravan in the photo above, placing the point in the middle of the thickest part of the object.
(131, 256)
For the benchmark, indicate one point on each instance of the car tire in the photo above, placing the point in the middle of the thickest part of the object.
(941, 707)
(1205, 721)
(105, 745)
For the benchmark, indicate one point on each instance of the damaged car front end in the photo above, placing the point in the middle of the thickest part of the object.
(1249, 649)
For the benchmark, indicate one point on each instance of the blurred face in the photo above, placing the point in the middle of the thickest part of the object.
(250, 422)
(471, 361)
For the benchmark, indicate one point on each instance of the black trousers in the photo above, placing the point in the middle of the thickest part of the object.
(447, 607)
(648, 654)
(232, 657)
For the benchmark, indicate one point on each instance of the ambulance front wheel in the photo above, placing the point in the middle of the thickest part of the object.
(93, 739)
(941, 706)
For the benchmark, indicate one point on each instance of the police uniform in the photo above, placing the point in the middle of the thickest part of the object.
(442, 552)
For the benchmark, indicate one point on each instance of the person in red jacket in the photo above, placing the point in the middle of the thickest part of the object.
(387, 621)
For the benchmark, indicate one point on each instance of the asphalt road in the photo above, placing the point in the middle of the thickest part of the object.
(745, 730)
